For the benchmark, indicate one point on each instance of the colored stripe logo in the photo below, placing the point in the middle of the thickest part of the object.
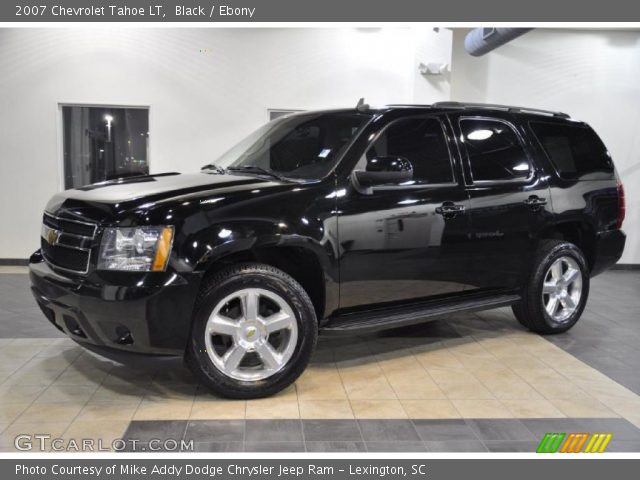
(550, 442)
(598, 443)
(581, 442)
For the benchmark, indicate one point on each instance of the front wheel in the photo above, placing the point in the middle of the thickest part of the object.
(253, 333)
(556, 293)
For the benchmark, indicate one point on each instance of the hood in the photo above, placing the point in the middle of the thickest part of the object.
(107, 198)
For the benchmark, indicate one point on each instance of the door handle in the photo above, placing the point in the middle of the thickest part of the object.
(449, 209)
(535, 202)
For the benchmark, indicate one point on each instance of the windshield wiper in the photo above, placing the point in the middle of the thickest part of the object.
(214, 167)
(257, 169)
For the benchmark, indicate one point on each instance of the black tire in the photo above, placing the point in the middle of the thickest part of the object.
(226, 282)
(531, 312)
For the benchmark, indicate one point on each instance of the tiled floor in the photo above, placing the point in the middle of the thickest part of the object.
(472, 382)
(445, 435)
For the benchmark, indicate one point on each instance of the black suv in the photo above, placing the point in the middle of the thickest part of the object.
(336, 221)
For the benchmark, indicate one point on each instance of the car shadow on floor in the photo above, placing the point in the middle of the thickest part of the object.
(168, 377)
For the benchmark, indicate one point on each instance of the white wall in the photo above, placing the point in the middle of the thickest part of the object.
(592, 75)
(206, 88)
(209, 87)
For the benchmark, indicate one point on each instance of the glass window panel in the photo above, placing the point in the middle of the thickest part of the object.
(494, 150)
(575, 150)
(422, 142)
(103, 143)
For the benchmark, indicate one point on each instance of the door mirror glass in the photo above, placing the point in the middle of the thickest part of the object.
(385, 170)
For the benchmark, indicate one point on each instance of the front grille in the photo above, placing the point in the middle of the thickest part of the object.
(73, 227)
(66, 244)
(63, 257)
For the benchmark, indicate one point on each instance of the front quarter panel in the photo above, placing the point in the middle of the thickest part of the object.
(208, 229)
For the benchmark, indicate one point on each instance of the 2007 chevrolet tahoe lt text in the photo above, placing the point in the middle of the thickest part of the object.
(334, 222)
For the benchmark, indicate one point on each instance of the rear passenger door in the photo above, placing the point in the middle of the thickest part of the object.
(509, 198)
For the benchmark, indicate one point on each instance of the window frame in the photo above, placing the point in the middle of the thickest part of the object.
(60, 132)
(532, 165)
(454, 182)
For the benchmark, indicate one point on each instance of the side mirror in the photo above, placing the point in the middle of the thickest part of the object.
(384, 170)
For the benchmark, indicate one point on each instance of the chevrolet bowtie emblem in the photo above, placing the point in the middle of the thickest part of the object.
(52, 236)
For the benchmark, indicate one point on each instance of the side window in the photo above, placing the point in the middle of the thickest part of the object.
(422, 142)
(494, 150)
(574, 150)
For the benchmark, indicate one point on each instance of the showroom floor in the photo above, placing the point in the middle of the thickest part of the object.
(473, 382)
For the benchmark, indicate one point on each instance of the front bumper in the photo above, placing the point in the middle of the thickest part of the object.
(136, 312)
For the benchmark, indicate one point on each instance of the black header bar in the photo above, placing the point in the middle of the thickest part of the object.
(561, 11)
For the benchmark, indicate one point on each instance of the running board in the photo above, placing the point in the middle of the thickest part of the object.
(401, 316)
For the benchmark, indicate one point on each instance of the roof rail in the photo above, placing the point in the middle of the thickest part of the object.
(507, 108)
(424, 105)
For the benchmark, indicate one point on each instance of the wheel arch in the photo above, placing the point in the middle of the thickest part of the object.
(579, 232)
(300, 258)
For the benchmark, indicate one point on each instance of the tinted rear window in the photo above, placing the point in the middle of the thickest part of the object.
(574, 150)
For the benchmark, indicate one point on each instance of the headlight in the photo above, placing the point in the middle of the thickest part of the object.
(138, 249)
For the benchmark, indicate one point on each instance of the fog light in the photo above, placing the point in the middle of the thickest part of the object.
(73, 327)
(123, 335)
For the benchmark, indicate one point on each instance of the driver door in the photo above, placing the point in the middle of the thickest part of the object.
(409, 240)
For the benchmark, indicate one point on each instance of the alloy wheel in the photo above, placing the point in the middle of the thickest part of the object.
(251, 334)
(562, 289)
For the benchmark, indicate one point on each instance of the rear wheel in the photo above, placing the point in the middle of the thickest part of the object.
(254, 332)
(557, 290)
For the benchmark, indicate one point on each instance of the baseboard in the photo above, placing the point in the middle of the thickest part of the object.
(626, 266)
(14, 262)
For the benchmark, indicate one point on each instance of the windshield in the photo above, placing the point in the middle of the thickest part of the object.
(304, 146)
